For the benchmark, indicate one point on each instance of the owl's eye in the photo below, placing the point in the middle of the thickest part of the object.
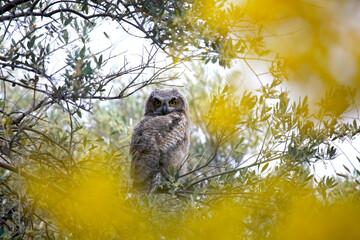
(172, 102)
(157, 103)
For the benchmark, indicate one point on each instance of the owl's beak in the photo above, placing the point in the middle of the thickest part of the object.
(164, 109)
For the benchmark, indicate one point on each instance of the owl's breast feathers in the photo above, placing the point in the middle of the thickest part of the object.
(160, 132)
(155, 138)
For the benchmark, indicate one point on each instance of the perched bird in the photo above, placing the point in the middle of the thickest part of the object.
(160, 140)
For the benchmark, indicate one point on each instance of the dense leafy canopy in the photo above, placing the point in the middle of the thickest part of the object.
(70, 93)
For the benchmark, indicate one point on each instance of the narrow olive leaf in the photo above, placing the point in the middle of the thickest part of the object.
(82, 52)
(226, 88)
(341, 175)
(238, 144)
(66, 36)
(67, 21)
(265, 118)
(347, 169)
(264, 167)
(177, 176)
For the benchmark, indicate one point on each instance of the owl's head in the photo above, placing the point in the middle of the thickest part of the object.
(165, 101)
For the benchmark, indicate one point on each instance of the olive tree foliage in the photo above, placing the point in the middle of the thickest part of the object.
(250, 161)
(50, 75)
(66, 176)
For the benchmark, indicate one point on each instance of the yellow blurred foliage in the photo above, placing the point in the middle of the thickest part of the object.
(94, 206)
(100, 208)
(93, 210)
(225, 220)
(227, 110)
(319, 39)
(311, 219)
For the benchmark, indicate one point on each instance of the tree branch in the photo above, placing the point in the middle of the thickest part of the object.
(228, 172)
(34, 108)
(30, 176)
(11, 5)
(24, 86)
(50, 14)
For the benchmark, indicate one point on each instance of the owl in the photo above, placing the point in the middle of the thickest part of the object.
(160, 140)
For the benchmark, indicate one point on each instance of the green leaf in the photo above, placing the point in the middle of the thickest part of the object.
(238, 144)
(66, 36)
(265, 118)
(177, 176)
(264, 167)
(82, 52)
(30, 44)
(196, 192)
(67, 21)
(99, 63)
(78, 128)
(214, 59)
(87, 70)
(346, 168)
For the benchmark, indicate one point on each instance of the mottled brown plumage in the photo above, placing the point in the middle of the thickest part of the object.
(160, 140)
